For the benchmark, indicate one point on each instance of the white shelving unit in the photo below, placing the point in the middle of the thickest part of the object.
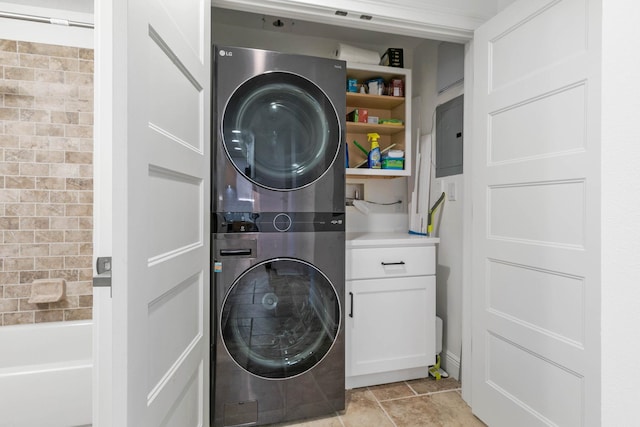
(384, 107)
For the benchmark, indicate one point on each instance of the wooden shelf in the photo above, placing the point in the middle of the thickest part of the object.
(382, 102)
(372, 127)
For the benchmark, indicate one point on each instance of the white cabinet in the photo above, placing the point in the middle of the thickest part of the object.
(396, 136)
(390, 322)
(388, 330)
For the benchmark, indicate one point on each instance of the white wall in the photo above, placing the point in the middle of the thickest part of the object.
(230, 35)
(381, 218)
(620, 212)
(448, 219)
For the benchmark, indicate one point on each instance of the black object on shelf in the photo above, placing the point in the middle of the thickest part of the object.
(393, 57)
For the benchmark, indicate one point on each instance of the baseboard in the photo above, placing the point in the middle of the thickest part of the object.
(451, 364)
(386, 377)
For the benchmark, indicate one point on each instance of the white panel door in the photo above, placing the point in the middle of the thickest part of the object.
(160, 71)
(536, 215)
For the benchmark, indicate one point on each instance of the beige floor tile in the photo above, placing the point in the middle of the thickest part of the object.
(456, 409)
(435, 406)
(329, 421)
(391, 391)
(446, 409)
(363, 410)
(430, 385)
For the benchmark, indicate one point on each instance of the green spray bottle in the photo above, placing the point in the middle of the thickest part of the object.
(374, 154)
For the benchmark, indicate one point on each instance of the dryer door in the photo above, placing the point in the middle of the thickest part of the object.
(280, 318)
(281, 131)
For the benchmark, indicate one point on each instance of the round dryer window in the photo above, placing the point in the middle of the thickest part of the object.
(281, 131)
(280, 318)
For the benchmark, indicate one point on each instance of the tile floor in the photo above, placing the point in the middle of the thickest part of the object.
(418, 403)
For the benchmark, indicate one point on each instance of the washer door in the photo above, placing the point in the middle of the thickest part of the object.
(280, 318)
(281, 131)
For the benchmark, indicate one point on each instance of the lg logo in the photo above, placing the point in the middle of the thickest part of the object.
(223, 52)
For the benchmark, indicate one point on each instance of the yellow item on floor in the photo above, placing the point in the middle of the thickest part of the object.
(437, 371)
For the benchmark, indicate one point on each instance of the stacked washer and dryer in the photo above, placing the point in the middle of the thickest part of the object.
(278, 228)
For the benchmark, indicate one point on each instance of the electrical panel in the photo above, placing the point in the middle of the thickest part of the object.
(449, 122)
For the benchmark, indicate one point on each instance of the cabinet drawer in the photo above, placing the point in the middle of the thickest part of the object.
(368, 263)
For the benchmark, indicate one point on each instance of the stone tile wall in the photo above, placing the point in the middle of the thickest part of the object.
(46, 178)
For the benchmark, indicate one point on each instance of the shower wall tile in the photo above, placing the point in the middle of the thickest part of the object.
(86, 248)
(10, 223)
(19, 73)
(47, 49)
(77, 314)
(34, 61)
(69, 302)
(9, 250)
(18, 318)
(14, 291)
(7, 58)
(9, 196)
(49, 316)
(8, 305)
(63, 248)
(63, 64)
(46, 179)
(85, 66)
(18, 264)
(9, 140)
(49, 263)
(85, 300)
(8, 45)
(86, 54)
(27, 277)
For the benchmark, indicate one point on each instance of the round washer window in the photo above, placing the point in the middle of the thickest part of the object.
(280, 318)
(281, 131)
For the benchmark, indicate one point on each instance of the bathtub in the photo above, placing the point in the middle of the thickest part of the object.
(45, 374)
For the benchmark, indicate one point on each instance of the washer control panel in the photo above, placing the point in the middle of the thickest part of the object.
(265, 222)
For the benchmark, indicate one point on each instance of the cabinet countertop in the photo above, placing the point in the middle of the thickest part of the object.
(362, 239)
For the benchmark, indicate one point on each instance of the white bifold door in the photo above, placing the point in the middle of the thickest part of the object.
(155, 60)
(536, 215)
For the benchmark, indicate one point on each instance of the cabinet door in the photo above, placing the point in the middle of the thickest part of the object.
(390, 324)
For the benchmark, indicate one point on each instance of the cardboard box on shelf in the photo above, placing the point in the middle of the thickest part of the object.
(396, 87)
(358, 115)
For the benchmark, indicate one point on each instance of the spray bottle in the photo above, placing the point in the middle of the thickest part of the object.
(374, 154)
